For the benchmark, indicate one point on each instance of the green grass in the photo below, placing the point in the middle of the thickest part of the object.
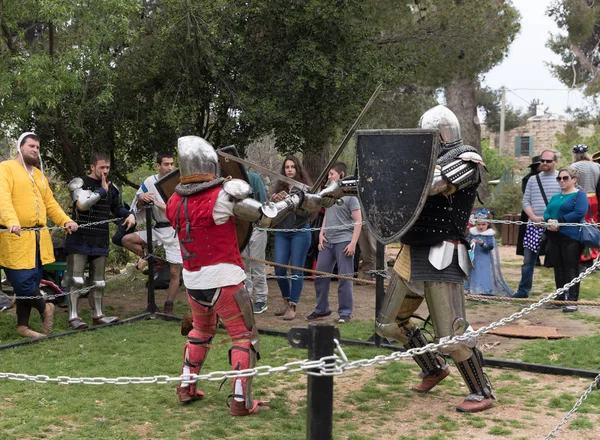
(147, 348)
(568, 352)
(30, 410)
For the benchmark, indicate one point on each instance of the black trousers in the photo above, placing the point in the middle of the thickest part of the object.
(566, 253)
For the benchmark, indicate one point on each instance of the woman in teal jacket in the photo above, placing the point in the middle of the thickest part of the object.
(568, 206)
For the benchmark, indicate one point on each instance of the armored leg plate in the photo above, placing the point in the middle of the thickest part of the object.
(471, 371)
(431, 365)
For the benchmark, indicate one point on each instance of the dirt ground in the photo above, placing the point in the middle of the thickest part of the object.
(529, 423)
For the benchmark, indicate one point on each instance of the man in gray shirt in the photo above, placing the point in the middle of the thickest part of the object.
(337, 244)
(534, 206)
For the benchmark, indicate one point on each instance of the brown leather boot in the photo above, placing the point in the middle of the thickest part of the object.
(429, 381)
(189, 394)
(239, 408)
(290, 313)
(25, 331)
(48, 319)
(187, 324)
(471, 406)
(283, 308)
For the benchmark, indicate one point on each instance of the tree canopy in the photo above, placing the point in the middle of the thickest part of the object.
(130, 76)
(578, 48)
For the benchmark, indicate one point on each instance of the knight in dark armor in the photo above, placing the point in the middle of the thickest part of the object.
(94, 199)
(433, 263)
(202, 211)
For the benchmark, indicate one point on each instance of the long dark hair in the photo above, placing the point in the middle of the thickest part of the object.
(301, 174)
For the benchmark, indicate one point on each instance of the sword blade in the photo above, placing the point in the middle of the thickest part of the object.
(266, 171)
(345, 141)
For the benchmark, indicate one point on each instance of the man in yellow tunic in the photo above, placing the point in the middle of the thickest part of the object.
(26, 201)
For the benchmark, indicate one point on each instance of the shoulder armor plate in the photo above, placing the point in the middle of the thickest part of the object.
(237, 188)
(472, 156)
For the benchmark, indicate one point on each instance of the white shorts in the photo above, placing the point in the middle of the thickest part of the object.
(166, 238)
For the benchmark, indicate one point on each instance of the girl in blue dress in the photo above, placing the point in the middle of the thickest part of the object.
(481, 238)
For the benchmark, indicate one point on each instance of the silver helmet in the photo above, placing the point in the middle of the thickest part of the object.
(197, 157)
(443, 119)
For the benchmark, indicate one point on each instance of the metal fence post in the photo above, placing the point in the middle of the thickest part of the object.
(319, 410)
(380, 264)
(152, 308)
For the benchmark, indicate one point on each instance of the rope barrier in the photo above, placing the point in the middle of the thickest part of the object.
(347, 226)
(316, 272)
(507, 299)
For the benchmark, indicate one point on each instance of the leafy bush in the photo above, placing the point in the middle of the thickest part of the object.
(506, 199)
(495, 162)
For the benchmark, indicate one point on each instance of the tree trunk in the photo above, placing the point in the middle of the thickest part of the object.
(462, 100)
(315, 160)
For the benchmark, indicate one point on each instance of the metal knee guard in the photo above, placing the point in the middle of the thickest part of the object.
(471, 371)
(430, 364)
(396, 303)
(96, 296)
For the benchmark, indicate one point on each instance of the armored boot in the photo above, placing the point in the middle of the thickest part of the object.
(243, 356)
(95, 299)
(74, 280)
(244, 352)
(96, 295)
(75, 322)
(481, 396)
(433, 368)
(194, 355)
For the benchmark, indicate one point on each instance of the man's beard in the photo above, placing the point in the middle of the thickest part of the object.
(31, 161)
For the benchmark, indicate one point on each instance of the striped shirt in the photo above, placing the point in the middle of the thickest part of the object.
(589, 173)
(533, 195)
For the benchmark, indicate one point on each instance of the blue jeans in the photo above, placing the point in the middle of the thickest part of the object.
(291, 248)
(529, 259)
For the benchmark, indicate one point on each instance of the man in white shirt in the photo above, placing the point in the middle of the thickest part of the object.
(162, 232)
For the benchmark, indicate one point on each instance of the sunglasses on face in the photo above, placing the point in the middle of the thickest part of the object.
(563, 178)
(546, 160)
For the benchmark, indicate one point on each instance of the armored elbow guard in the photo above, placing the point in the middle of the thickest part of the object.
(237, 188)
(461, 173)
(83, 198)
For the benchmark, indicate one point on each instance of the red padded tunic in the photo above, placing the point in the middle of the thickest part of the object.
(207, 243)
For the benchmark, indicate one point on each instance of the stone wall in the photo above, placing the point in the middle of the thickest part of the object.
(543, 129)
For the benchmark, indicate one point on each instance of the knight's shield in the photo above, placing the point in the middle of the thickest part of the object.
(395, 171)
(166, 188)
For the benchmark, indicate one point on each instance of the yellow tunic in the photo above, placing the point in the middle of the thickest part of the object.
(25, 204)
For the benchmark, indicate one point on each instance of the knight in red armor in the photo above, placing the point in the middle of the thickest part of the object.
(202, 211)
